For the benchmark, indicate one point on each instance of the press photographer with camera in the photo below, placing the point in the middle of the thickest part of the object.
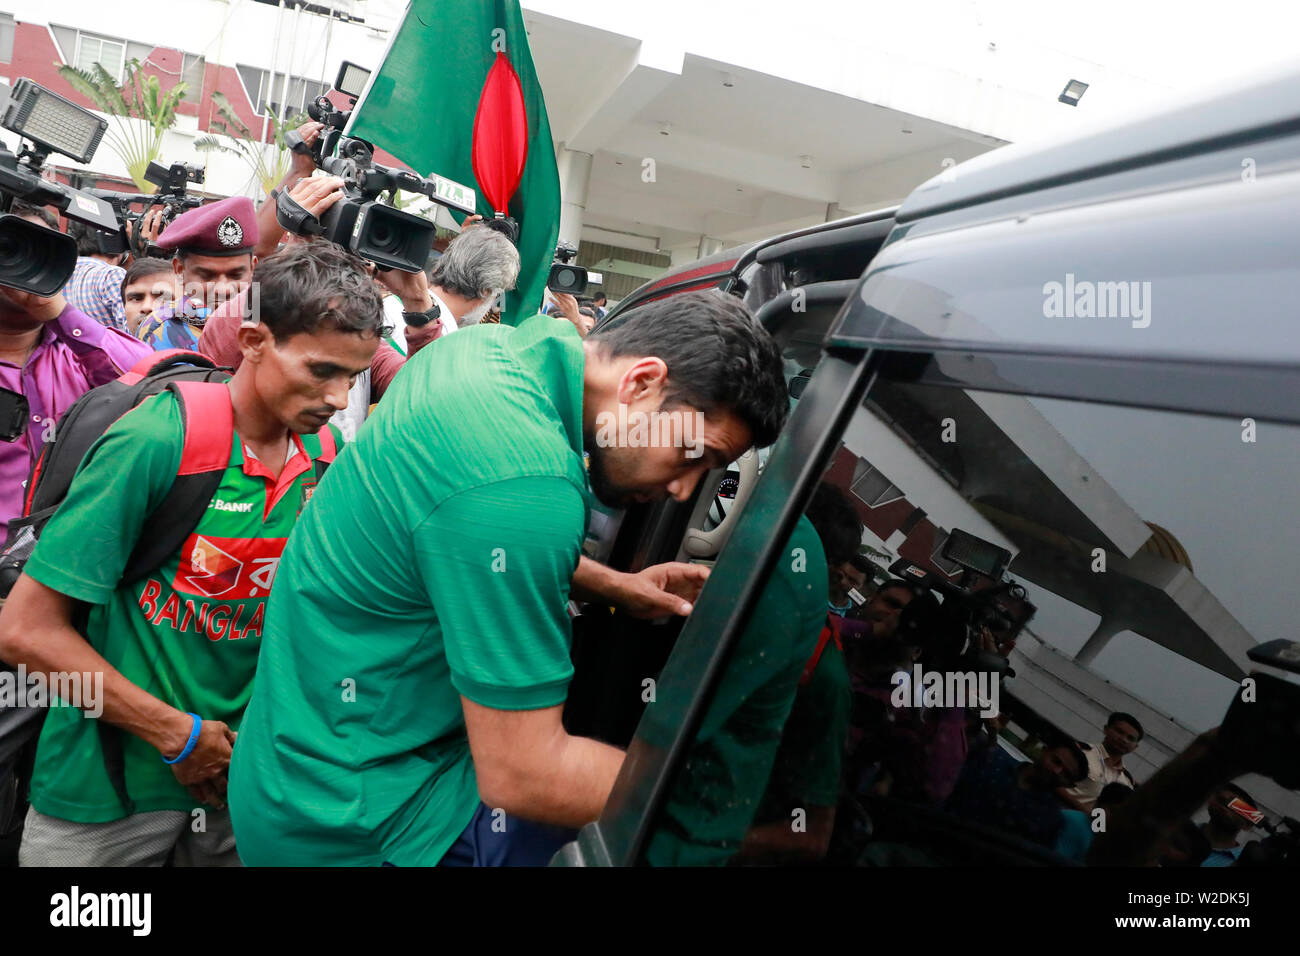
(97, 278)
(427, 312)
(301, 166)
(51, 353)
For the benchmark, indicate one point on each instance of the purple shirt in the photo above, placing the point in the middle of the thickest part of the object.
(73, 355)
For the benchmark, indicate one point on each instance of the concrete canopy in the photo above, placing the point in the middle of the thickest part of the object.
(737, 163)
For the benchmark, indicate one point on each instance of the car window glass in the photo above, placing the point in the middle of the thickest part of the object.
(1144, 552)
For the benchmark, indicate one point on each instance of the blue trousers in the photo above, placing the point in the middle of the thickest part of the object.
(494, 838)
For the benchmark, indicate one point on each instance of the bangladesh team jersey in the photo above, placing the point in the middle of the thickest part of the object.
(434, 562)
(187, 633)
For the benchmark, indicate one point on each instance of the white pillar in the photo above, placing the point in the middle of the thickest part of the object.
(575, 173)
(1096, 643)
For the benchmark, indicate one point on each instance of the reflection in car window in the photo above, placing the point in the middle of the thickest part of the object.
(713, 803)
(1083, 581)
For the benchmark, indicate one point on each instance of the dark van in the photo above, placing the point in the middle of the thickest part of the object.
(1055, 395)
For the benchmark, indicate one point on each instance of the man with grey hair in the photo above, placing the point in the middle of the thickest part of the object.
(478, 265)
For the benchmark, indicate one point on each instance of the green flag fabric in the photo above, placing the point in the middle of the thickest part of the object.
(423, 103)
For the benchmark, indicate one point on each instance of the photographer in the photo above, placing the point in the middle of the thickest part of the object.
(96, 281)
(316, 195)
(478, 265)
(51, 353)
(301, 166)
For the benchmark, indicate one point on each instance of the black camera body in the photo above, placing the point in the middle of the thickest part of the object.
(359, 222)
(565, 277)
(32, 257)
(173, 184)
(982, 597)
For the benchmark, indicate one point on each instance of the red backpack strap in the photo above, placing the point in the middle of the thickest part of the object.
(209, 420)
(829, 631)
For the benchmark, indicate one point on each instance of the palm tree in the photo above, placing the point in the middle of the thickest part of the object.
(267, 169)
(140, 98)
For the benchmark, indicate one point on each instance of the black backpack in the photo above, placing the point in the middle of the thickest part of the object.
(165, 531)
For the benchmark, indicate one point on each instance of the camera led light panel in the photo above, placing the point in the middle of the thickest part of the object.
(49, 120)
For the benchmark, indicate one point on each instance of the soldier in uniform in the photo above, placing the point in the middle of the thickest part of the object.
(214, 259)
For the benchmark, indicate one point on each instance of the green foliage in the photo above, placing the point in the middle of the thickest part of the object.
(140, 109)
(233, 136)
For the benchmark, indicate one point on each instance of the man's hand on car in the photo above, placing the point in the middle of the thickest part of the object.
(669, 588)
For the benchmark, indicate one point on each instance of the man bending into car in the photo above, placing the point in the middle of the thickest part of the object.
(409, 693)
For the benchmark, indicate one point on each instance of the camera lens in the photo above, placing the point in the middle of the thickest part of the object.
(382, 237)
(565, 278)
(34, 258)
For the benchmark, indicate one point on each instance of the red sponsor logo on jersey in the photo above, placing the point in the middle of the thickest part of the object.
(229, 568)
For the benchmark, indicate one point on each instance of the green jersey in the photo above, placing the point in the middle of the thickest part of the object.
(189, 632)
(725, 773)
(435, 563)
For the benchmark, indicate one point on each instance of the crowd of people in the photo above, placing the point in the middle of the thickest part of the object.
(1057, 795)
(372, 669)
(368, 669)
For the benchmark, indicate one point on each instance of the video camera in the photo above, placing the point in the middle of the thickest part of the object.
(359, 222)
(564, 277)
(34, 258)
(981, 598)
(173, 183)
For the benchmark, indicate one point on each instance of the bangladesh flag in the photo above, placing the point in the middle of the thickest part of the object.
(457, 96)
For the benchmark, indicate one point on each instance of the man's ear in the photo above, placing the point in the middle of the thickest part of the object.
(643, 380)
(178, 267)
(255, 340)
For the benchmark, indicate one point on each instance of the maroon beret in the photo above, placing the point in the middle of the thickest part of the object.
(224, 228)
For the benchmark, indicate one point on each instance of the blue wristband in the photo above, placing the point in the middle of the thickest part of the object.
(189, 744)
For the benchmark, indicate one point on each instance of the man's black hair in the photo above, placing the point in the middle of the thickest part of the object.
(90, 241)
(898, 584)
(863, 563)
(142, 269)
(43, 213)
(1053, 740)
(835, 522)
(719, 357)
(307, 287)
(1113, 794)
(1129, 719)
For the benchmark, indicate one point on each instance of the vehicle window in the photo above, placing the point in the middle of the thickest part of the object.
(1065, 561)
